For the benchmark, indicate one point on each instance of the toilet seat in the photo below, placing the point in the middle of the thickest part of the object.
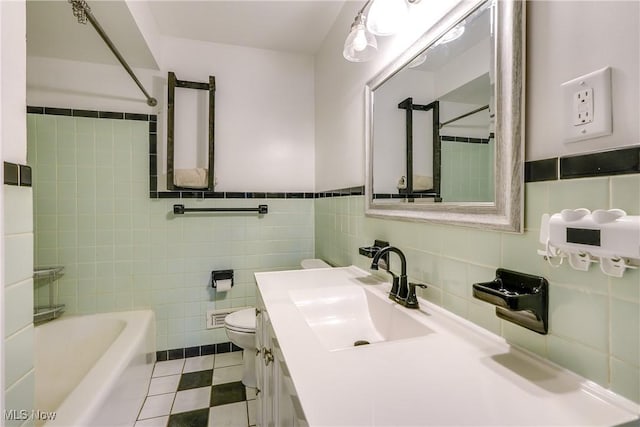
(241, 321)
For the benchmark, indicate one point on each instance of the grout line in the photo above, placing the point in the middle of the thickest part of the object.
(31, 371)
(24, 328)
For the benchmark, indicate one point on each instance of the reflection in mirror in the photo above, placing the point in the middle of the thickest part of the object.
(432, 135)
(445, 122)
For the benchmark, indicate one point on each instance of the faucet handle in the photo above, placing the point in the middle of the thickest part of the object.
(412, 300)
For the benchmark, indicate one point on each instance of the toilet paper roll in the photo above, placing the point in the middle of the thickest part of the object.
(223, 285)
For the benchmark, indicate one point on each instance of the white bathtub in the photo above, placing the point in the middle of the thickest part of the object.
(94, 370)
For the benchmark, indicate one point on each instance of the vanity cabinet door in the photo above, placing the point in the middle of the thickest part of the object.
(277, 401)
(261, 316)
(289, 410)
(265, 405)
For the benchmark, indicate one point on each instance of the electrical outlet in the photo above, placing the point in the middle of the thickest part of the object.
(583, 107)
(587, 106)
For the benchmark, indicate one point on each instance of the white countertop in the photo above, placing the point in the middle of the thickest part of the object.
(458, 374)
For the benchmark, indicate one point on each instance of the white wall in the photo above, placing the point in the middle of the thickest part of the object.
(264, 112)
(14, 136)
(86, 86)
(473, 126)
(264, 132)
(566, 40)
(464, 68)
(16, 224)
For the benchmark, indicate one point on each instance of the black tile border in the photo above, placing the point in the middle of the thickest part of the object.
(403, 196)
(11, 174)
(349, 191)
(541, 170)
(17, 174)
(203, 350)
(72, 112)
(620, 161)
(616, 162)
(464, 139)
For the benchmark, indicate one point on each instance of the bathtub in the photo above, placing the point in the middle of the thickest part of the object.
(94, 370)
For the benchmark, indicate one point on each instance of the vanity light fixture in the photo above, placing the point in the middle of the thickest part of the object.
(386, 17)
(383, 18)
(360, 45)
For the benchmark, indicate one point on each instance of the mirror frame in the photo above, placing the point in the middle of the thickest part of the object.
(506, 212)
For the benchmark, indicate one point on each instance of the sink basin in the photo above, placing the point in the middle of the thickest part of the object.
(345, 317)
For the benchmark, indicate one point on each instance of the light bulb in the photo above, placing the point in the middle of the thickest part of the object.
(386, 17)
(360, 41)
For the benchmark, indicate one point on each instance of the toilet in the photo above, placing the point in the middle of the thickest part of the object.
(241, 330)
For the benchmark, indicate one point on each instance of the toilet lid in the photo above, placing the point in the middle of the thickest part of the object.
(242, 320)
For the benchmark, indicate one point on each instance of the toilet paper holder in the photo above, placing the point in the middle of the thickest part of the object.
(219, 275)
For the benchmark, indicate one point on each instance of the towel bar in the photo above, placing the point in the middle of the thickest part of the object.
(180, 209)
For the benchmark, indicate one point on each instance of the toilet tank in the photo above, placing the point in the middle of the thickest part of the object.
(314, 263)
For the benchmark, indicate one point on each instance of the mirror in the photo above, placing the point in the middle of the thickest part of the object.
(445, 123)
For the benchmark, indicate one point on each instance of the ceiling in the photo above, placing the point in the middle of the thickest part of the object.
(53, 31)
(293, 26)
(297, 26)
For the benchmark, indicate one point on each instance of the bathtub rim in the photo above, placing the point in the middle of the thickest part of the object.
(86, 398)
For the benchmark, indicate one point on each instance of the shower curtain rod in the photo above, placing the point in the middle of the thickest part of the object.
(82, 11)
(477, 110)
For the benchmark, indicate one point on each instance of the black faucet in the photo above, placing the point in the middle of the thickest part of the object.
(401, 292)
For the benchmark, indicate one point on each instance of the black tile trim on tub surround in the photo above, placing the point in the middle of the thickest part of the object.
(620, 161)
(203, 350)
(70, 112)
(16, 174)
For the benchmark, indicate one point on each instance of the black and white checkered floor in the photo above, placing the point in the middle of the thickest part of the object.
(199, 392)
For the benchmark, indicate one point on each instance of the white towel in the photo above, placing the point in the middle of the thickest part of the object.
(190, 178)
(420, 183)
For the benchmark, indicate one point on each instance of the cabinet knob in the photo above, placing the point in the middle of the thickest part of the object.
(258, 311)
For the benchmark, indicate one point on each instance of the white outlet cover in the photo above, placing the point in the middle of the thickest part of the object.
(598, 84)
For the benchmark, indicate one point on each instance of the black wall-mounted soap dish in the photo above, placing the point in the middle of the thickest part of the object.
(371, 251)
(519, 298)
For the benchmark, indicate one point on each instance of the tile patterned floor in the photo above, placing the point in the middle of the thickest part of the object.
(201, 391)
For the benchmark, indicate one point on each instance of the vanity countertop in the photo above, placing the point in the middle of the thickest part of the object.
(458, 374)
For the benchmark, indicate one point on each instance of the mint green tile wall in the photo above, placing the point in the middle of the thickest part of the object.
(594, 319)
(122, 250)
(467, 171)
